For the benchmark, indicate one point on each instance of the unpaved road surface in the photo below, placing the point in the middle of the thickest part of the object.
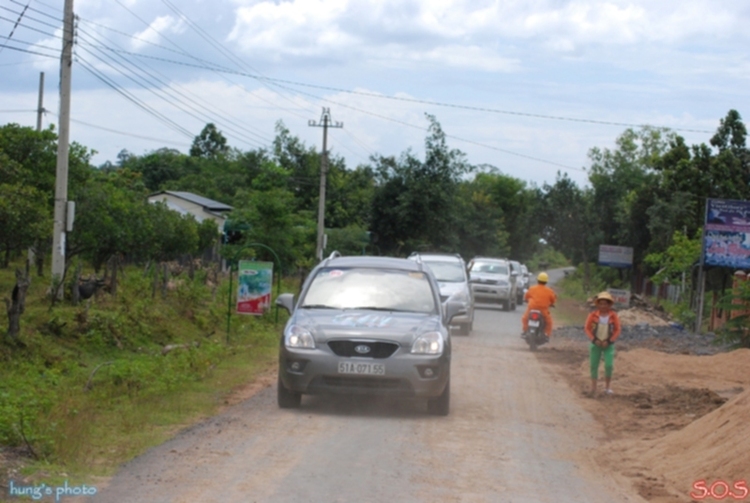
(514, 434)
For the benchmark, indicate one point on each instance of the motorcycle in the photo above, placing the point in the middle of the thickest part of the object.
(535, 335)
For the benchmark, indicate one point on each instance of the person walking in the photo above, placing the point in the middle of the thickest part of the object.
(540, 297)
(602, 328)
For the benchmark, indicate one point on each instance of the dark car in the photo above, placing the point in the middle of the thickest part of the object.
(367, 325)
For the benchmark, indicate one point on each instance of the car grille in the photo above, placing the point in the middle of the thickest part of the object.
(488, 281)
(362, 382)
(377, 349)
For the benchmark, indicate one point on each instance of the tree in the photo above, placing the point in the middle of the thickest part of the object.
(209, 144)
(24, 218)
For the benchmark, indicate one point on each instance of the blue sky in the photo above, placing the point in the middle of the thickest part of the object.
(678, 64)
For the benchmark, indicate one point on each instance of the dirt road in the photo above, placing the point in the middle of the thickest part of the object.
(513, 435)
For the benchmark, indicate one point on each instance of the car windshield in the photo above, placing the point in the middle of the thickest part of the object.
(449, 272)
(364, 288)
(490, 267)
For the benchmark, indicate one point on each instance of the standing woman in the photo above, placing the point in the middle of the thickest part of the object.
(602, 328)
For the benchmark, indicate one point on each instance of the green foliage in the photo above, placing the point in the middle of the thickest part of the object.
(676, 260)
(210, 143)
(736, 332)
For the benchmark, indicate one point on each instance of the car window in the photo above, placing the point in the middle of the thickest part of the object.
(489, 267)
(351, 288)
(449, 272)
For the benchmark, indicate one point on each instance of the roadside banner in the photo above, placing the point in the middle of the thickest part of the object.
(726, 236)
(622, 297)
(254, 287)
(615, 256)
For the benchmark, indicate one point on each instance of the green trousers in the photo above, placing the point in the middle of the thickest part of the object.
(596, 353)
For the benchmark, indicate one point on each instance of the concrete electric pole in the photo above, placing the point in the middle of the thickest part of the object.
(325, 123)
(63, 141)
(40, 105)
(31, 256)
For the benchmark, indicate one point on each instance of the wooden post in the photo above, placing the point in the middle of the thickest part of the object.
(16, 305)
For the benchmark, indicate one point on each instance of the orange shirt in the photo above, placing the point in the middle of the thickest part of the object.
(593, 319)
(540, 297)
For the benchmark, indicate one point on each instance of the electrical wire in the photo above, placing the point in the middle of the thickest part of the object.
(15, 25)
(38, 11)
(132, 135)
(32, 52)
(205, 113)
(189, 55)
(103, 78)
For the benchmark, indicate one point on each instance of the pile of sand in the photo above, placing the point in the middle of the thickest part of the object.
(714, 447)
(635, 316)
(717, 372)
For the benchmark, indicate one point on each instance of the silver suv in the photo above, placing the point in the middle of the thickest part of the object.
(453, 280)
(367, 325)
(493, 280)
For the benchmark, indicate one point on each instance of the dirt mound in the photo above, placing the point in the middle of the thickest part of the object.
(636, 316)
(714, 447)
(720, 373)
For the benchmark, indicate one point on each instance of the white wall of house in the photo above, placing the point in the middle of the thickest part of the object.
(184, 206)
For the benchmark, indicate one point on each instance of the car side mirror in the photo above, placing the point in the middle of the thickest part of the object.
(514, 273)
(453, 309)
(286, 300)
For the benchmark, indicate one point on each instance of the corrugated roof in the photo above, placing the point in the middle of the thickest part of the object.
(207, 203)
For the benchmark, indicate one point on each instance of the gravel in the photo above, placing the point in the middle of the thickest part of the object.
(668, 339)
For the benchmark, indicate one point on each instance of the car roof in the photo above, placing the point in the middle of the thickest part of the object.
(373, 262)
(433, 256)
(491, 259)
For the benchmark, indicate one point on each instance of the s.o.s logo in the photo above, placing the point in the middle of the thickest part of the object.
(720, 490)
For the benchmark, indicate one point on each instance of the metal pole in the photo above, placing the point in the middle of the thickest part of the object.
(63, 141)
(229, 300)
(702, 274)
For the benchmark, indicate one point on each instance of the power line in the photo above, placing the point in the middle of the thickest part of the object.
(15, 111)
(189, 55)
(13, 30)
(31, 52)
(132, 135)
(209, 66)
(168, 122)
(28, 28)
(56, 18)
(206, 112)
(30, 18)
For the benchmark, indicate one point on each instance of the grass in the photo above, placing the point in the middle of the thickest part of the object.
(138, 397)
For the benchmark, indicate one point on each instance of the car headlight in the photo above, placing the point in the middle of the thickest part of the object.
(430, 343)
(298, 337)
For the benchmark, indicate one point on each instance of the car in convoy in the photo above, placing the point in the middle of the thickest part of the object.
(492, 280)
(367, 325)
(453, 280)
(524, 280)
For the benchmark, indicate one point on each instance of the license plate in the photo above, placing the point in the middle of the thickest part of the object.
(533, 323)
(376, 369)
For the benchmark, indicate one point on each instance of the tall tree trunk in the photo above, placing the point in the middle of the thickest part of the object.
(16, 305)
(75, 293)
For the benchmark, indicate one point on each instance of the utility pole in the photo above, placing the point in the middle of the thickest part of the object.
(63, 141)
(325, 123)
(40, 105)
(39, 112)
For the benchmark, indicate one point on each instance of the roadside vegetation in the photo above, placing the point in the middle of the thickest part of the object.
(84, 386)
(87, 387)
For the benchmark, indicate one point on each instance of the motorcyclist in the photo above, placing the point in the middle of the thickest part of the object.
(540, 297)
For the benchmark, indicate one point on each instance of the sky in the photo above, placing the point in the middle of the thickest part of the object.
(526, 86)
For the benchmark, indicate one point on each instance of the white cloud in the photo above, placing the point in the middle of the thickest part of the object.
(153, 33)
(355, 29)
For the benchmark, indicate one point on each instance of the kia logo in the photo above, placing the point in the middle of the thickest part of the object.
(362, 349)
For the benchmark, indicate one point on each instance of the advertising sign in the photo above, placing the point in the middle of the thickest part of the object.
(615, 256)
(726, 237)
(254, 287)
(622, 297)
